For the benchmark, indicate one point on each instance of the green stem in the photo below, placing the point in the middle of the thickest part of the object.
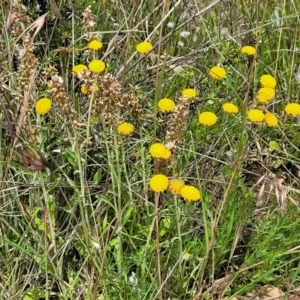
(156, 199)
(118, 203)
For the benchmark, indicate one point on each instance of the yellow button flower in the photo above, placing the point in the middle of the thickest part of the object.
(97, 66)
(175, 186)
(271, 119)
(265, 95)
(159, 150)
(256, 115)
(268, 81)
(125, 128)
(166, 105)
(78, 69)
(159, 183)
(292, 109)
(248, 50)
(207, 118)
(217, 73)
(190, 193)
(95, 45)
(43, 106)
(189, 93)
(230, 108)
(144, 47)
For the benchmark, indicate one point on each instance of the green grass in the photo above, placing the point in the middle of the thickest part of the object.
(78, 219)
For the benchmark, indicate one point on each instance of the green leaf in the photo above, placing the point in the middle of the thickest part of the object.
(70, 156)
(52, 208)
(80, 248)
(42, 262)
(113, 242)
(104, 222)
(97, 176)
(274, 145)
(277, 163)
(40, 223)
(36, 210)
(128, 213)
(165, 226)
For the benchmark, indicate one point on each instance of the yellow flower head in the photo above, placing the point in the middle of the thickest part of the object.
(207, 118)
(217, 73)
(78, 69)
(186, 256)
(271, 119)
(159, 183)
(43, 106)
(84, 90)
(268, 81)
(248, 50)
(159, 150)
(256, 115)
(95, 45)
(97, 66)
(189, 93)
(175, 186)
(292, 109)
(166, 105)
(190, 193)
(125, 128)
(230, 108)
(265, 94)
(144, 47)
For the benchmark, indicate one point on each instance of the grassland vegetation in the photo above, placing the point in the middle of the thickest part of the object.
(149, 149)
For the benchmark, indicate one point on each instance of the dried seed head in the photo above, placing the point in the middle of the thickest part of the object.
(177, 123)
(21, 19)
(110, 101)
(88, 19)
(61, 99)
(28, 63)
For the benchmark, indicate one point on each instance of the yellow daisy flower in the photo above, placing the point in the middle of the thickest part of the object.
(249, 50)
(207, 118)
(271, 119)
(166, 105)
(125, 128)
(217, 73)
(265, 95)
(292, 109)
(159, 150)
(159, 183)
(256, 115)
(189, 93)
(175, 186)
(95, 45)
(144, 47)
(268, 81)
(190, 193)
(78, 69)
(230, 108)
(43, 106)
(97, 66)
